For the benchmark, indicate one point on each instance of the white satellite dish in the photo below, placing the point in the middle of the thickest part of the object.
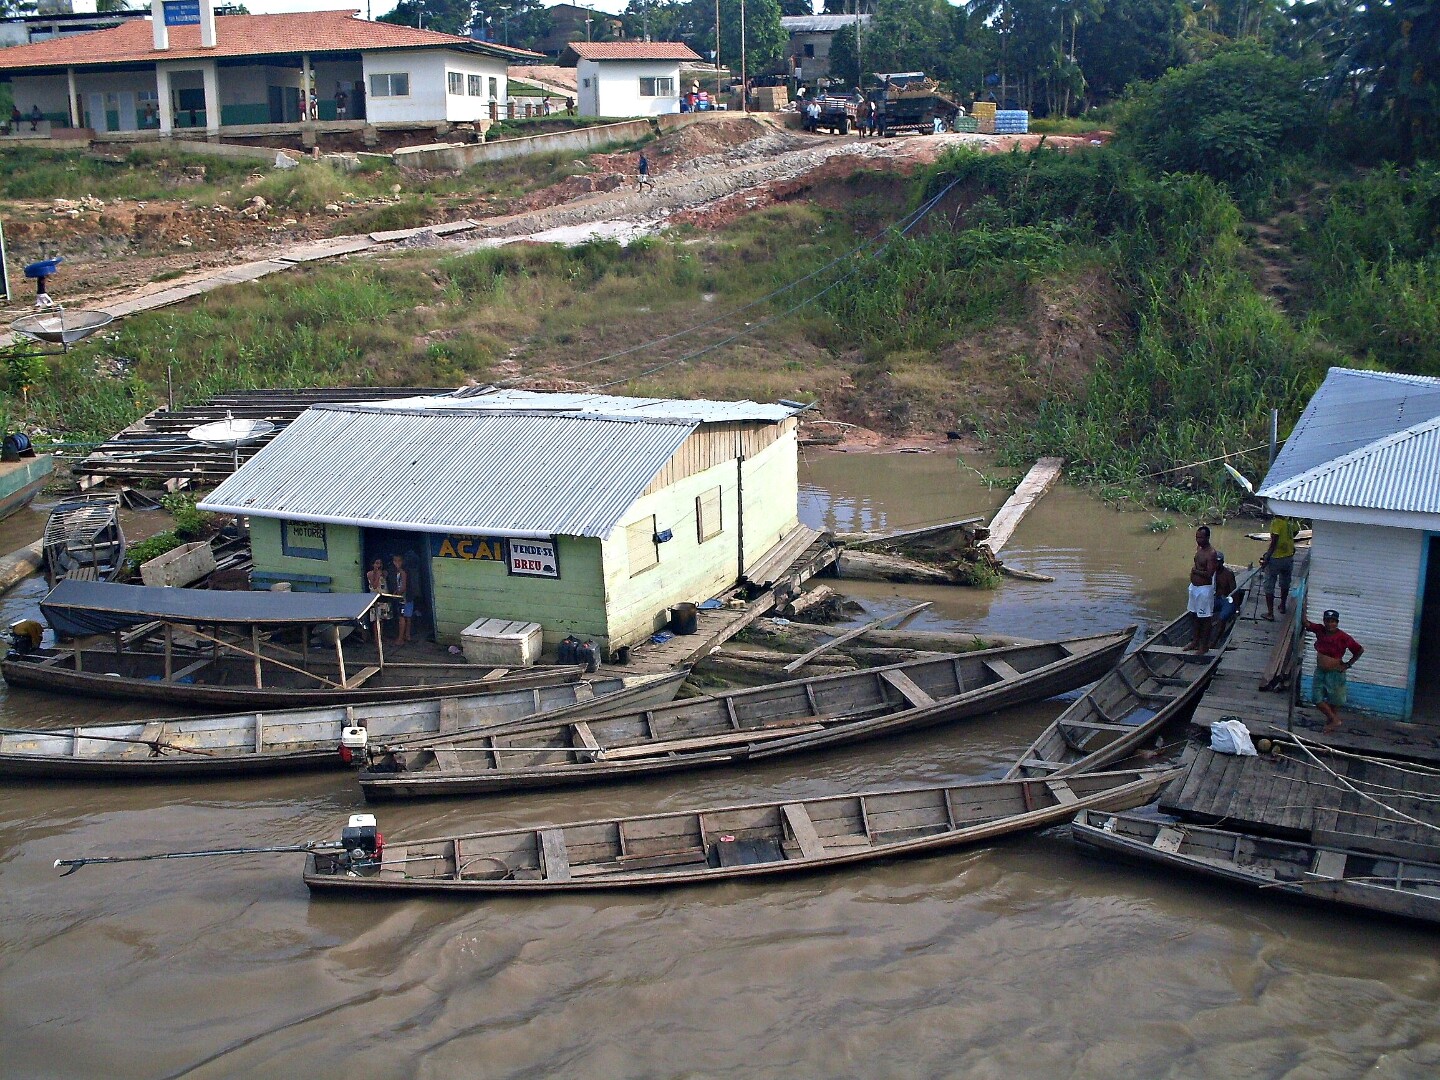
(232, 433)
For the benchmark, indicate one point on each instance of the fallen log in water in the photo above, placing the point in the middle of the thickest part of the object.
(881, 566)
(751, 673)
(797, 634)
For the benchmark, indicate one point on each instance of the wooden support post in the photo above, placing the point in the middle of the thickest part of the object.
(119, 643)
(379, 636)
(340, 655)
(169, 653)
(255, 652)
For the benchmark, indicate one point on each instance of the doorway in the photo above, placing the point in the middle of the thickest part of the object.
(1427, 657)
(383, 544)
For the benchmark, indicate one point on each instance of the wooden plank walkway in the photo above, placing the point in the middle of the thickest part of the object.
(1040, 479)
(719, 625)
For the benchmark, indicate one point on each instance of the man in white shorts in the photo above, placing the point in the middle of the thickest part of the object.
(1202, 589)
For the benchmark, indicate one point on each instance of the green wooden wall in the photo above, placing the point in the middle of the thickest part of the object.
(342, 564)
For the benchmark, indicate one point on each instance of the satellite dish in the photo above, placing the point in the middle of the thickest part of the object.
(61, 327)
(232, 433)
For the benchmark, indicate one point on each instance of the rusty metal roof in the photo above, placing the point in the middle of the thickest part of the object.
(1367, 440)
(472, 471)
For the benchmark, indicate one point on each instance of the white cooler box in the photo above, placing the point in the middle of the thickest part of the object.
(502, 643)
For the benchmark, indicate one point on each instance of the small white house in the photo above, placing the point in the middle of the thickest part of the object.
(187, 68)
(629, 78)
(1363, 464)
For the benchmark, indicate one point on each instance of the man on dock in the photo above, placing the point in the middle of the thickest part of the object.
(1278, 562)
(1201, 602)
(1331, 645)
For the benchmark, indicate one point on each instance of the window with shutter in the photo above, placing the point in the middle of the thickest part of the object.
(640, 545)
(707, 514)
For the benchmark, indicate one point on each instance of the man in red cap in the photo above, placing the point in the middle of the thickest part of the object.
(1331, 645)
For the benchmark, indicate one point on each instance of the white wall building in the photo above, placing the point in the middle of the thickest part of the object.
(1363, 464)
(248, 70)
(628, 78)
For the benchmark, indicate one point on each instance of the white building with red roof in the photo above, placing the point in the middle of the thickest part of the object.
(629, 78)
(187, 68)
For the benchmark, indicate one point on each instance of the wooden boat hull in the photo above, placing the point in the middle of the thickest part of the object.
(784, 718)
(1313, 873)
(21, 481)
(140, 678)
(83, 538)
(1158, 683)
(758, 840)
(287, 740)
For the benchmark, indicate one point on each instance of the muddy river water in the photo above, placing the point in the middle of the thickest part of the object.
(1018, 959)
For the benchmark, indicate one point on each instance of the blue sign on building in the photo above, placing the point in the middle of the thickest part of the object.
(182, 13)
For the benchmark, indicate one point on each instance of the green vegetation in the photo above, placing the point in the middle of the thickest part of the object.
(190, 524)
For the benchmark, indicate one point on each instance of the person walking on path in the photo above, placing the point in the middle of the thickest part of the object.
(1278, 562)
(399, 585)
(1201, 602)
(1331, 645)
(642, 179)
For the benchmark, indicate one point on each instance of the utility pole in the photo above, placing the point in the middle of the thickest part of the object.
(744, 79)
(716, 103)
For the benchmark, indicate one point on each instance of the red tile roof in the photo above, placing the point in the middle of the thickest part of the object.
(632, 50)
(241, 35)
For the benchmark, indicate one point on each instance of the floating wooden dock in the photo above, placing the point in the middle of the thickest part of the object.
(1258, 648)
(804, 552)
(157, 451)
(1040, 479)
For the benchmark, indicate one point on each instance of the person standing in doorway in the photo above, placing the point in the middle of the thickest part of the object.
(399, 585)
(314, 104)
(375, 582)
(1201, 603)
(1278, 563)
(342, 103)
(1331, 645)
(35, 117)
(642, 179)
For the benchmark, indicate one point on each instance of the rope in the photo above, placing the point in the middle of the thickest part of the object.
(155, 745)
(1207, 461)
(1347, 785)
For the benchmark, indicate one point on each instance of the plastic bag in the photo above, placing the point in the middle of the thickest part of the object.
(1230, 736)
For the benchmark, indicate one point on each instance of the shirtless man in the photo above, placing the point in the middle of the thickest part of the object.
(1202, 589)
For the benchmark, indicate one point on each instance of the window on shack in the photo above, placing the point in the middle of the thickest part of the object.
(707, 514)
(640, 546)
(476, 86)
(390, 84)
(650, 87)
(455, 83)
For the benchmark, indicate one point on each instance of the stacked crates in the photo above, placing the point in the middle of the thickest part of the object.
(964, 123)
(1012, 122)
(985, 117)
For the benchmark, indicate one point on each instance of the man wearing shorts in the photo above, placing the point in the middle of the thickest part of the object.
(1278, 562)
(1331, 644)
(1202, 589)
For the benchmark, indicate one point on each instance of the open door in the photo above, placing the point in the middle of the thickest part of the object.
(1427, 659)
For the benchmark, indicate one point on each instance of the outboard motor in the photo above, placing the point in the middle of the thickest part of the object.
(25, 637)
(361, 842)
(354, 741)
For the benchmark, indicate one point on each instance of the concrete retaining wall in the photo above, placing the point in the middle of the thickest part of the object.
(581, 139)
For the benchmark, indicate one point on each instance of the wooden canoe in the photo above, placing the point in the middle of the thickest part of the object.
(730, 842)
(805, 714)
(1159, 682)
(290, 739)
(83, 539)
(228, 682)
(1369, 882)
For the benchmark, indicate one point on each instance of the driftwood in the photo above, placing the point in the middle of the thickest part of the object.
(752, 673)
(903, 616)
(882, 566)
(776, 656)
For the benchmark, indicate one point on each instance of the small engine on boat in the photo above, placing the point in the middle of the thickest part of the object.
(25, 636)
(353, 743)
(361, 841)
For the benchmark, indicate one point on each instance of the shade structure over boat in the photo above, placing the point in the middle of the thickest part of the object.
(79, 608)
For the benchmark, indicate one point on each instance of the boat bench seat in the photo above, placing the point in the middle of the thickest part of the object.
(83, 573)
(263, 579)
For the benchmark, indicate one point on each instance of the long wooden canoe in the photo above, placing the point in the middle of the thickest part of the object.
(784, 718)
(289, 739)
(729, 842)
(1159, 682)
(228, 682)
(1378, 883)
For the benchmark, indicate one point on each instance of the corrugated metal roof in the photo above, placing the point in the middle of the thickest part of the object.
(490, 398)
(1401, 472)
(1353, 409)
(818, 24)
(454, 470)
(1366, 440)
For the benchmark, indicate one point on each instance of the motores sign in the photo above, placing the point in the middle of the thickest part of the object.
(534, 557)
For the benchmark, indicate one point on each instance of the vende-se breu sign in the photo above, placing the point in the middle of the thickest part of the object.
(531, 558)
